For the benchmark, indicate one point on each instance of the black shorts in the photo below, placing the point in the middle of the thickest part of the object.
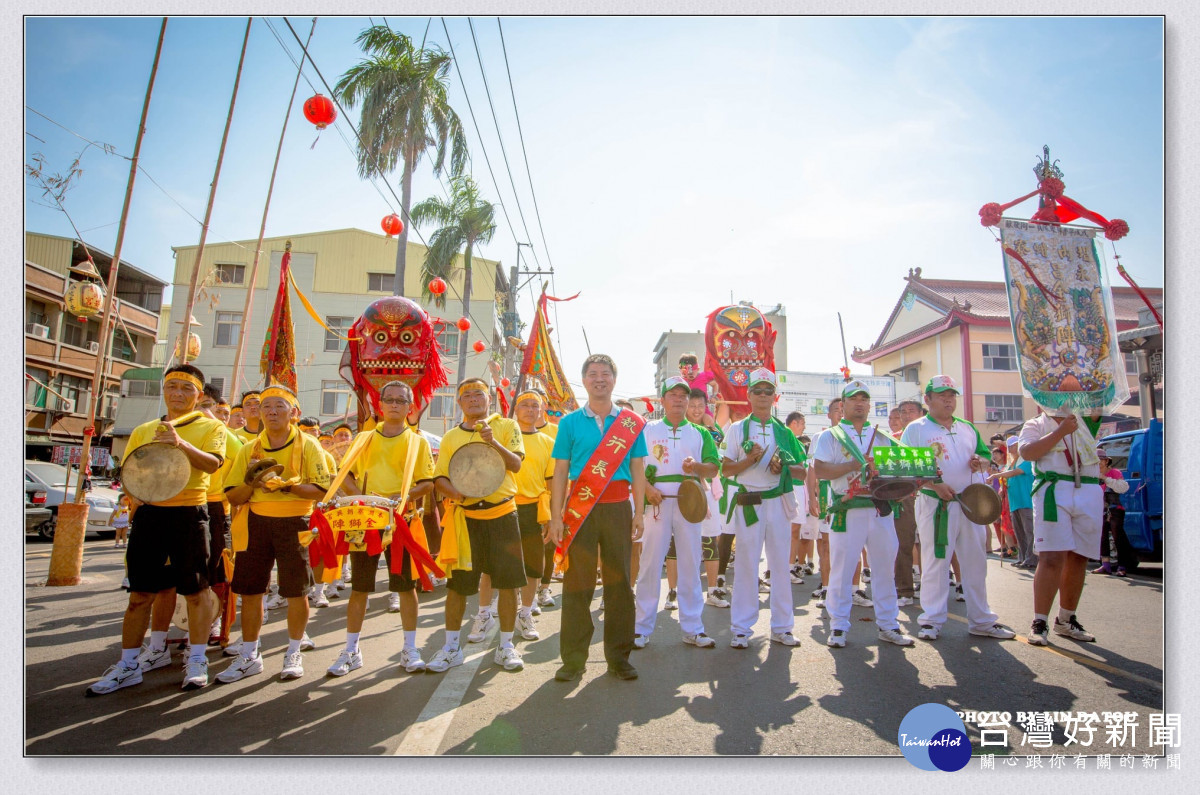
(495, 551)
(168, 548)
(273, 539)
(219, 539)
(364, 569)
(533, 548)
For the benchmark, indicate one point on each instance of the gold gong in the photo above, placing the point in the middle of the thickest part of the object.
(980, 503)
(476, 469)
(155, 472)
(693, 505)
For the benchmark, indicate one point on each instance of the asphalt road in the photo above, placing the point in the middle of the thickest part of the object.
(766, 700)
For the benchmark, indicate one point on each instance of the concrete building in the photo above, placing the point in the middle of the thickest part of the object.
(60, 351)
(341, 272)
(673, 344)
(962, 329)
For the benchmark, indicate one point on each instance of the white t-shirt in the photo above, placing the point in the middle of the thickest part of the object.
(828, 449)
(1081, 443)
(667, 447)
(757, 477)
(953, 448)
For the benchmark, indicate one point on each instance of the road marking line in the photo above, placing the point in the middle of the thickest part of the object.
(1080, 658)
(425, 735)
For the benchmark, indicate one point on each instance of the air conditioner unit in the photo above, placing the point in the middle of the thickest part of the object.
(993, 416)
(109, 408)
(65, 405)
(38, 330)
(93, 347)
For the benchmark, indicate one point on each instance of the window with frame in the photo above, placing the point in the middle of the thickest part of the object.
(228, 329)
(230, 273)
(140, 389)
(76, 389)
(380, 282)
(441, 405)
(35, 393)
(219, 383)
(1004, 408)
(35, 312)
(999, 357)
(335, 396)
(76, 333)
(121, 347)
(334, 343)
(448, 338)
(1130, 364)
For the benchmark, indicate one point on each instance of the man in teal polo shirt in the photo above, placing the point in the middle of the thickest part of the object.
(611, 526)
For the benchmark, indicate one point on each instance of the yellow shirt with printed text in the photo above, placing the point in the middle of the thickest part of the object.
(507, 432)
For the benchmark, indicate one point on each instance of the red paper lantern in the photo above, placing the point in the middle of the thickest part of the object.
(479, 346)
(437, 286)
(464, 324)
(504, 382)
(320, 110)
(392, 225)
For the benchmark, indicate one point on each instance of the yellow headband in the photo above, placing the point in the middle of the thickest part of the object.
(525, 393)
(278, 392)
(179, 375)
(236, 410)
(471, 386)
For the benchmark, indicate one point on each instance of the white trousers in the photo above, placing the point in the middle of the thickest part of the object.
(864, 527)
(773, 530)
(656, 539)
(965, 539)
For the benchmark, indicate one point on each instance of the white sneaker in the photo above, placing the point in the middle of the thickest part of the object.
(699, 639)
(509, 657)
(714, 600)
(640, 641)
(195, 674)
(445, 660)
(320, 600)
(959, 596)
(896, 636)
(116, 677)
(797, 575)
(480, 627)
(904, 601)
(393, 603)
(232, 650)
(242, 667)
(786, 638)
(544, 597)
(410, 658)
(125, 583)
(332, 591)
(672, 602)
(293, 666)
(526, 627)
(763, 586)
(929, 632)
(994, 631)
(306, 643)
(739, 642)
(836, 639)
(535, 609)
(275, 601)
(866, 575)
(860, 599)
(1072, 629)
(339, 585)
(149, 659)
(346, 662)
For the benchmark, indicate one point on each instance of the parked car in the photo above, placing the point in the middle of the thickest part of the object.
(36, 512)
(1139, 456)
(52, 479)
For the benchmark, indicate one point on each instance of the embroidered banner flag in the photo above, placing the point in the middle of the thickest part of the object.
(541, 362)
(278, 360)
(1060, 305)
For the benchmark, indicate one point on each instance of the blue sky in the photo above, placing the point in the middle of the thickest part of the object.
(803, 161)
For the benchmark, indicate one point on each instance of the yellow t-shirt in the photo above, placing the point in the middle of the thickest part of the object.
(246, 436)
(538, 466)
(380, 469)
(550, 429)
(506, 431)
(216, 481)
(205, 435)
(312, 469)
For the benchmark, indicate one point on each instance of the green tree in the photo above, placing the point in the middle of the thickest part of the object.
(464, 221)
(402, 92)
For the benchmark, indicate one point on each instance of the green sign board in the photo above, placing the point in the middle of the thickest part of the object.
(905, 462)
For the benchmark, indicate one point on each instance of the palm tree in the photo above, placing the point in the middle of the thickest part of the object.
(465, 220)
(402, 90)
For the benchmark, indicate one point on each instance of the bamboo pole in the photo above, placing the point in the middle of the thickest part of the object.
(182, 344)
(248, 309)
(66, 556)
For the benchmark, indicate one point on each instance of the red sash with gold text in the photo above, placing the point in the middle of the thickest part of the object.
(597, 473)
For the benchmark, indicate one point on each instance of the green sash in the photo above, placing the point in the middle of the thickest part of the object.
(1048, 479)
(790, 453)
(941, 525)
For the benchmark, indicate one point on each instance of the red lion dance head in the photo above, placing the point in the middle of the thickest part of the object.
(737, 340)
(393, 340)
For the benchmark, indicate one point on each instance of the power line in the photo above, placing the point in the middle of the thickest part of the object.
(504, 153)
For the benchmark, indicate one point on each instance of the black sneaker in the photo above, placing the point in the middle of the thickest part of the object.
(1039, 633)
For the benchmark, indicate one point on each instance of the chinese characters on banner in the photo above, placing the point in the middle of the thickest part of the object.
(1060, 306)
(1105, 734)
